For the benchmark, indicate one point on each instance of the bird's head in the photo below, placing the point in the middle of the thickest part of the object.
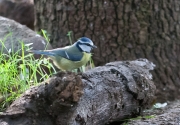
(85, 44)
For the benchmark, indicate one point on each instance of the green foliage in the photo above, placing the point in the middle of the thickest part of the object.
(138, 118)
(18, 72)
(45, 34)
(69, 36)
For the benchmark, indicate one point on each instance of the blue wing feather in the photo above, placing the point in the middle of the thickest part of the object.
(69, 54)
(43, 52)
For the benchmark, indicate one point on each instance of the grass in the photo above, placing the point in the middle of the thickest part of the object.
(18, 72)
(138, 118)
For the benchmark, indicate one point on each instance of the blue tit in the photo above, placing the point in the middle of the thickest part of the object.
(70, 57)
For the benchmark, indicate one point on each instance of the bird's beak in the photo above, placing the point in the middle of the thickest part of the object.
(94, 46)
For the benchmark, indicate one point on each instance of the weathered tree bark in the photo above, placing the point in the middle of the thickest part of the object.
(102, 95)
(122, 30)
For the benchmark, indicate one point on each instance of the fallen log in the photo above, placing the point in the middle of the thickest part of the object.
(168, 115)
(99, 96)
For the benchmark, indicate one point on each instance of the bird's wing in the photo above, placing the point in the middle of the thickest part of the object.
(70, 54)
(48, 53)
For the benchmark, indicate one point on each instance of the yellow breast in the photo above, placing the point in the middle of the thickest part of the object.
(66, 64)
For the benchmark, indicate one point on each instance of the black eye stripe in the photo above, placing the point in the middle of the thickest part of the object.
(85, 44)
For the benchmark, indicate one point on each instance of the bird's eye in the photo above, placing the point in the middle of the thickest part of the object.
(87, 44)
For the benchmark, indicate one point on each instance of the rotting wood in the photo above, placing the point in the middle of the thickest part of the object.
(99, 96)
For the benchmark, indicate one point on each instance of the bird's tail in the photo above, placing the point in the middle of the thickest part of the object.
(48, 53)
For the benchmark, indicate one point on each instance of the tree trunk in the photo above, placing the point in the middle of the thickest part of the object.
(102, 95)
(122, 30)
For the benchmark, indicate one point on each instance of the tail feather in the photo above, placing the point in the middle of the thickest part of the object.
(42, 52)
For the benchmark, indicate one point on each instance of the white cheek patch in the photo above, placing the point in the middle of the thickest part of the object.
(85, 48)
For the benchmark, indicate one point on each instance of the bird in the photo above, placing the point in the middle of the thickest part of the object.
(70, 57)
